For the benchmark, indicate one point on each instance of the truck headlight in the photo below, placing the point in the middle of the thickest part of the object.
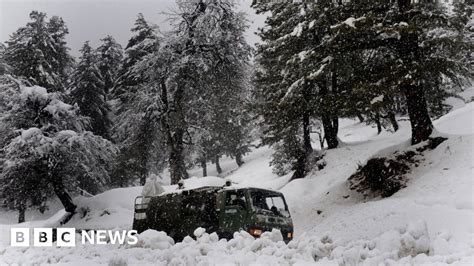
(140, 215)
(255, 232)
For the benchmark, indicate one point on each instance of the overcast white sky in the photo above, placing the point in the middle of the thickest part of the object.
(93, 19)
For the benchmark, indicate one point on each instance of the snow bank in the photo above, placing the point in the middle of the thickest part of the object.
(408, 245)
(154, 240)
(459, 121)
(112, 209)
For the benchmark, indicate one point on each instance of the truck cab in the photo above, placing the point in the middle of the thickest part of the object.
(253, 210)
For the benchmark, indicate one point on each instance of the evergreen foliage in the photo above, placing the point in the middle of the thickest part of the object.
(135, 129)
(110, 57)
(367, 59)
(88, 92)
(4, 67)
(38, 52)
(189, 68)
(144, 42)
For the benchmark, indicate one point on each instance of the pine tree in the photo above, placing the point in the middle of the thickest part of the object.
(221, 116)
(110, 57)
(178, 71)
(88, 92)
(213, 61)
(62, 61)
(4, 67)
(421, 46)
(135, 128)
(38, 52)
(371, 93)
(222, 127)
(143, 43)
(137, 133)
(285, 94)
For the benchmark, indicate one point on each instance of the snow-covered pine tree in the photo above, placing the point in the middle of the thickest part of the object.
(424, 48)
(4, 67)
(135, 128)
(51, 152)
(38, 52)
(62, 62)
(369, 91)
(221, 123)
(145, 41)
(88, 92)
(431, 49)
(142, 149)
(9, 86)
(214, 40)
(110, 57)
(177, 72)
(284, 91)
(221, 117)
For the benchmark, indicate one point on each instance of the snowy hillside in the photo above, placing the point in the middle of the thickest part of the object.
(431, 220)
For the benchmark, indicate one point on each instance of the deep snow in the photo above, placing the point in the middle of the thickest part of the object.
(430, 221)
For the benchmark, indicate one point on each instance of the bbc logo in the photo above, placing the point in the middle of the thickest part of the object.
(43, 237)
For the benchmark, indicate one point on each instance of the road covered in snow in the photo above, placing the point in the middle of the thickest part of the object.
(430, 221)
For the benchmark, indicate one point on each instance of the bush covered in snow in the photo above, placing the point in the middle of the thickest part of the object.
(47, 149)
(384, 176)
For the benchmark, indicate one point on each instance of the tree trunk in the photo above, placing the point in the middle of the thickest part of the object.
(142, 180)
(300, 167)
(175, 171)
(145, 146)
(21, 210)
(421, 125)
(393, 120)
(330, 131)
(176, 163)
(238, 159)
(361, 118)
(174, 135)
(204, 167)
(335, 124)
(329, 117)
(64, 197)
(306, 134)
(176, 159)
(321, 141)
(377, 121)
(218, 166)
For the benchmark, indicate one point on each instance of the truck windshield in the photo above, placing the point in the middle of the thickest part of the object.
(269, 203)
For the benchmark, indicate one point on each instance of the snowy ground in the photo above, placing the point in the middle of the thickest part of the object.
(431, 221)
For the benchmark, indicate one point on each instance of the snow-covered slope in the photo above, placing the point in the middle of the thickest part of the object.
(429, 221)
(439, 191)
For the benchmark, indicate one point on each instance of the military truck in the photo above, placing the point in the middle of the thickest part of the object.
(223, 210)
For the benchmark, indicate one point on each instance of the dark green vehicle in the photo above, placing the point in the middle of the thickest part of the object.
(223, 210)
